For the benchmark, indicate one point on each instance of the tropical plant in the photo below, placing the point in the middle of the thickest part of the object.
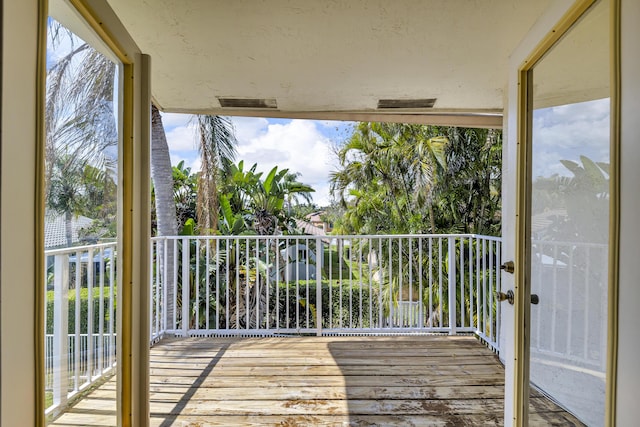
(217, 147)
(401, 178)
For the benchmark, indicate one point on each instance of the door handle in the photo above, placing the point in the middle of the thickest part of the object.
(509, 296)
(508, 266)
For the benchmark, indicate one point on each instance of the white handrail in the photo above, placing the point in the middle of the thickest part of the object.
(324, 285)
(77, 359)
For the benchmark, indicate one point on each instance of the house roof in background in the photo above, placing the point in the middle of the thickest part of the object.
(55, 229)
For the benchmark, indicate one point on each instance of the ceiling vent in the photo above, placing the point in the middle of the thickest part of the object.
(258, 103)
(406, 103)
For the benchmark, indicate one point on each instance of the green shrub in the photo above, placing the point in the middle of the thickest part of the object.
(353, 298)
(84, 309)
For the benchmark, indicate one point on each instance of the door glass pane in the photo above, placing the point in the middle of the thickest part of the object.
(570, 220)
(81, 176)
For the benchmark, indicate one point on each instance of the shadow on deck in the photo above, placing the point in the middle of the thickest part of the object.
(328, 381)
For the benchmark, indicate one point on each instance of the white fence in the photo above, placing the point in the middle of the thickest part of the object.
(272, 285)
(569, 325)
(80, 314)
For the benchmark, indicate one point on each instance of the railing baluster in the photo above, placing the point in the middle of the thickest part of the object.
(153, 273)
(411, 323)
(78, 302)
(462, 292)
(101, 312)
(471, 283)
(440, 263)
(484, 287)
(380, 260)
(276, 254)
(360, 319)
(175, 285)
(90, 308)
(196, 286)
(497, 288)
(268, 281)
(370, 274)
(451, 286)
(340, 260)
(420, 284)
(490, 290)
(165, 282)
(185, 286)
(329, 268)
(307, 260)
(319, 304)
(257, 284)
(431, 282)
(207, 269)
(478, 290)
(287, 278)
(218, 284)
(61, 329)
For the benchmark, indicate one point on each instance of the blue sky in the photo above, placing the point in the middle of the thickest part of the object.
(303, 146)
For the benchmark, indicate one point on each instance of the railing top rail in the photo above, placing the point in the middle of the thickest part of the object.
(74, 249)
(329, 236)
(562, 243)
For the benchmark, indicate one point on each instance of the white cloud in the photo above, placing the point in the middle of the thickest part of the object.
(181, 138)
(171, 120)
(567, 132)
(297, 145)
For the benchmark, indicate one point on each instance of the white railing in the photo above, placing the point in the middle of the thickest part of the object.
(80, 313)
(569, 326)
(270, 285)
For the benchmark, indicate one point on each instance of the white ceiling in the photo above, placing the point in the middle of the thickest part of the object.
(323, 58)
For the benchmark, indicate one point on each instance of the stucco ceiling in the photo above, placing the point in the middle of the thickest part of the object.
(322, 58)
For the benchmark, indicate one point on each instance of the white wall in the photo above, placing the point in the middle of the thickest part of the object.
(17, 196)
(628, 384)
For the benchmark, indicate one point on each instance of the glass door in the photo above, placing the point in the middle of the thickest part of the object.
(83, 136)
(569, 221)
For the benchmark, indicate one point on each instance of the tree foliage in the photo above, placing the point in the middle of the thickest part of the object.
(404, 178)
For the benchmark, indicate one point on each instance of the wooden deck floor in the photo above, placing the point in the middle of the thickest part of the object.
(341, 381)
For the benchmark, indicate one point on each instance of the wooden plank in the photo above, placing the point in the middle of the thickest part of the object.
(369, 359)
(330, 370)
(327, 420)
(330, 407)
(326, 381)
(173, 393)
(297, 381)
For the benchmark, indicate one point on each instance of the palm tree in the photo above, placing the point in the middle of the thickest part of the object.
(294, 192)
(217, 147)
(66, 193)
(394, 165)
(80, 122)
(162, 178)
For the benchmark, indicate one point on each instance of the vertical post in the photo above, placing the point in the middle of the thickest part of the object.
(451, 285)
(154, 273)
(185, 286)
(100, 345)
(61, 329)
(90, 314)
(319, 257)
